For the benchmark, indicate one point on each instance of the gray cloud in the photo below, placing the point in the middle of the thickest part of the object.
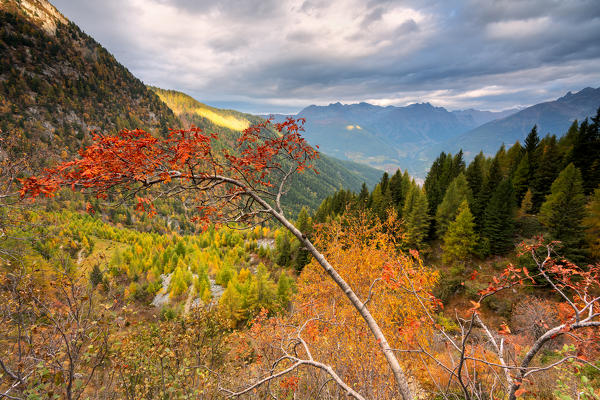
(279, 56)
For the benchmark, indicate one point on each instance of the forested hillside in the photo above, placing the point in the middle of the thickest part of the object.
(57, 84)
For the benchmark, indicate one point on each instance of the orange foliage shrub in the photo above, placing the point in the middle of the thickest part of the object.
(370, 261)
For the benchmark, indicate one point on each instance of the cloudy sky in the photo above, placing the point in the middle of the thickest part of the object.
(267, 56)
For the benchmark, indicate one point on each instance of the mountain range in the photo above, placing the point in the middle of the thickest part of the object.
(552, 117)
(411, 137)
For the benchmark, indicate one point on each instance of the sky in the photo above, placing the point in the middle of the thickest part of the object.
(279, 56)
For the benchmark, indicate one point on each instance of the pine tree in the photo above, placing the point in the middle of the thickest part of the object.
(563, 211)
(284, 289)
(434, 186)
(96, 275)
(501, 158)
(498, 227)
(592, 224)
(448, 209)
(231, 303)
(549, 165)
(585, 153)
(569, 139)
(304, 222)
(416, 218)
(531, 144)
(284, 249)
(513, 157)
(475, 178)
(532, 141)
(380, 200)
(526, 204)
(521, 178)
(304, 225)
(263, 291)
(363, 196)
(458, 164)
(460, 239)
(179, 281)
(396, 189)
(385, 180)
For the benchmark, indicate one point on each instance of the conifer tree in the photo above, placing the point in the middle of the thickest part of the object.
(460, 239)
(458, 164)
(585, 153)
(304, 222)
(381, 200)
(498, 227)
(407, 184)
(96, 275)
(549, 165)
(434, 186)
(521, 178)
(475, 179)
(526, 204)
(513, 157)
(231, 303)
(284, 249)
(592, 224)
(409, 202)
(363, 196)
(416, 218)
(396, 189)
(563, 211)
(531, 141)
(569, 139)
(376, 199)
(302, 255)
(448, 209)
(501, 158)
(179, 281)
(531, 144)
(385, 180)
(284, 289)
(263, 291)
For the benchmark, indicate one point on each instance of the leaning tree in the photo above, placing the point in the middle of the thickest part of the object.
(241, 187)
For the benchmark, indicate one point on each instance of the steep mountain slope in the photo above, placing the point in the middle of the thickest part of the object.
(307, 188)
(553, 117)
(387, 137)
(57, 83)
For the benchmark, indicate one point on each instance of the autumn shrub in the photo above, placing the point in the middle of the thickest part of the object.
(175, 359)
(369, 260)
(533, 316)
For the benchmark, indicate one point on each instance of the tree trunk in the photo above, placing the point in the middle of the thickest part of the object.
(390, 357)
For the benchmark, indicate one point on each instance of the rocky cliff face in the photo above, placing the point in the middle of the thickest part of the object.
(44, 14)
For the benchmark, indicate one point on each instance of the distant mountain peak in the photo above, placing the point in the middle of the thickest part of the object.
(587, 91)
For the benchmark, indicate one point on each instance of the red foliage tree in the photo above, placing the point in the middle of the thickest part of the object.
(503, 363)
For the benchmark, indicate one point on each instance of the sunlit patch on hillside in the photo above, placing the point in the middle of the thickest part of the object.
(352, 127)
(181, 103)
(230, 121)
